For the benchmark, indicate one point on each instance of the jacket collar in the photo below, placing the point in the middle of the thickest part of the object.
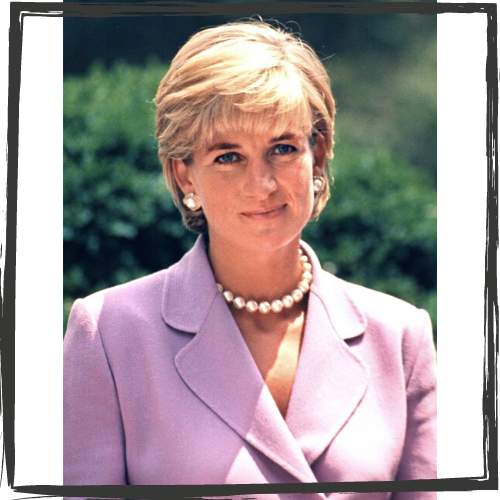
(333, 293)
(190, 290)
(218, 367)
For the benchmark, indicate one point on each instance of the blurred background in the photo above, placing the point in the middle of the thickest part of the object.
(379, 228)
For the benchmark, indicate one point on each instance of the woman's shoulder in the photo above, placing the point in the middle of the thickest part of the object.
(383, 317)
(131, 306)
(138, 291)
(376, 302)
(388, 328)
(142, 303)
(372, 302)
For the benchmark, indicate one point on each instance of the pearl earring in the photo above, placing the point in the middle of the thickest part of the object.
(318, 183)
(192, 201)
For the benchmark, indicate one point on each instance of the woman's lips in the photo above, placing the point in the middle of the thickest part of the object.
(265, 213)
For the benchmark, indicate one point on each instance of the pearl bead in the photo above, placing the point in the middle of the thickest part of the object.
(287, 301)
(264, 307)
(192, 201)
(239, 302)
(277, 306)
(318, 184)
(251, 306)
(307, 276)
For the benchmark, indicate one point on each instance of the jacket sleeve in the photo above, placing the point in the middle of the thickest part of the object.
(94, 447)
(419, 460)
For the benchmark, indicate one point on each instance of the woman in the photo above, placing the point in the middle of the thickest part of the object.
(246, 362)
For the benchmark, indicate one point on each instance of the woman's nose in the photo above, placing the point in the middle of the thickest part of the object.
(260, 180)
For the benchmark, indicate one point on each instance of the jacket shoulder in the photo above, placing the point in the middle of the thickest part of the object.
(392, 323)
(122, 304)
(379, 307)
(129, 291)
(395, 332)
(388, 322)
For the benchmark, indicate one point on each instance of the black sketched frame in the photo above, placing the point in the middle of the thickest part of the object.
(18, 12)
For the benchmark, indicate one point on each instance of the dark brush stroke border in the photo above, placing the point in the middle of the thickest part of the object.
(489, 480)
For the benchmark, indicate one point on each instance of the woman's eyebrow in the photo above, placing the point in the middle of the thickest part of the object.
(230, 145)
(285, 137)
(222, 145)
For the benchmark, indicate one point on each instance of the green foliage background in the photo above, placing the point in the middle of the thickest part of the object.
(379, 228)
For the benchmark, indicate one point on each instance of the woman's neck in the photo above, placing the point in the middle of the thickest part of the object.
(256, 275)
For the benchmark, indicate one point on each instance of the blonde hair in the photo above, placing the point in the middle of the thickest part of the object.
(240, 77)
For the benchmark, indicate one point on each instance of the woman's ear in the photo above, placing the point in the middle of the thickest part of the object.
(182, 175)
(319, 153)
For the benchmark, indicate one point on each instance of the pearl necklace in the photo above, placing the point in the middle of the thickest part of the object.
(276, 305)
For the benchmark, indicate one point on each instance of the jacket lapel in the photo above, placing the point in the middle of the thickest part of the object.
(218, 367)
(330, 381)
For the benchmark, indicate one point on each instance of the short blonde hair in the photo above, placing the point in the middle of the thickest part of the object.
(240, 77)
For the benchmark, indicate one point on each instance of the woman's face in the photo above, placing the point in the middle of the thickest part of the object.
(256, 189)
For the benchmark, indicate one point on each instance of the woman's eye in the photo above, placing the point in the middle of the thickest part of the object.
(283, 149)
(226, 158)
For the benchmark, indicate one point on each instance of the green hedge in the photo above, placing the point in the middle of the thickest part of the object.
(379, 228)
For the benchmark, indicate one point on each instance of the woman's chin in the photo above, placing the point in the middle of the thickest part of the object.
(263, 240)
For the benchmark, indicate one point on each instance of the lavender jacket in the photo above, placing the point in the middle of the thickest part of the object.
(160, 388)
